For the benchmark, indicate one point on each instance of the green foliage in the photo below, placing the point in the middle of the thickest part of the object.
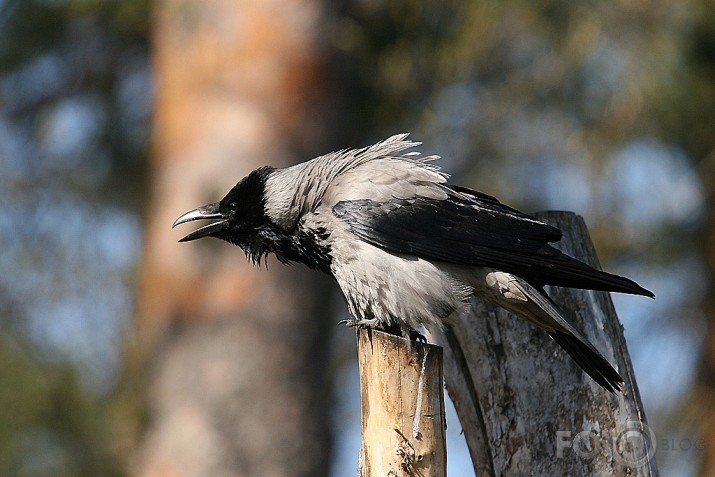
(32, 27)
(75, 92)
(49, 425)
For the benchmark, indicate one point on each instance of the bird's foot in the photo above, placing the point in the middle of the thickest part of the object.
(405, 331)
(414, 335)
(362, 324)
(374, 324)
(408, 333)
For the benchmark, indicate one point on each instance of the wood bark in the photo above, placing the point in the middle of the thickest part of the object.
(526, 408)
(402, 407)
(232, 359)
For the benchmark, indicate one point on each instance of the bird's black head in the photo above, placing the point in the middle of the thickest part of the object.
(239, 218)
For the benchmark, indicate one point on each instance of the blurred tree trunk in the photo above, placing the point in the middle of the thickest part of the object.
(233, 358)
(705, 388)
(698, 133)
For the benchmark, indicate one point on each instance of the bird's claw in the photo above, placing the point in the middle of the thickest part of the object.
(417, 336)
(374, 324)
(361, 324)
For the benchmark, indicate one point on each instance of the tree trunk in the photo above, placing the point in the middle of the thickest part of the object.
(704, 398)
(234, 357)
(526, 408)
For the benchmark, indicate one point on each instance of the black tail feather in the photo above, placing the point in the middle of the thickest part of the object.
(590, 360)
(576, 274)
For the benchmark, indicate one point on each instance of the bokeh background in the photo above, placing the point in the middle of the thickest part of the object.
(125, 353)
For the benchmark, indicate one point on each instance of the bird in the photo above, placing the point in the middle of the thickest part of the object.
(408, 249)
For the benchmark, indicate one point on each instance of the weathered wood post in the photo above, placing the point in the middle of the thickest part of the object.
(402, 414)
(526, 408)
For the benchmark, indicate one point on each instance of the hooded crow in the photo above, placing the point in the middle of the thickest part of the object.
(408, 249)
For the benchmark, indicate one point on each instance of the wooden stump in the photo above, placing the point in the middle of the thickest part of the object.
(402, 414)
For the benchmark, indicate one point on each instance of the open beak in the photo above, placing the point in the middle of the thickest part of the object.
(206, 212)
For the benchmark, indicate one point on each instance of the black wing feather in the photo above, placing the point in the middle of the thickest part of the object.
(469, 227)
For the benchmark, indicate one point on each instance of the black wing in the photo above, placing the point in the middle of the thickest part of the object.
(472, 228)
